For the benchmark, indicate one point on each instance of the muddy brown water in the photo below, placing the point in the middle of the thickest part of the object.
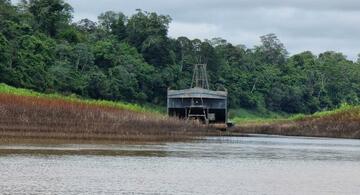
(231, 165)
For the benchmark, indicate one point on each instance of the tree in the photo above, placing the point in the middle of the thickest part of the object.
(98, 86)
(133, 59)
(144, 24)
(337, 74)
(50, 15)
(105, 53)
(10, 25)
(86, 25)
(7, 11)
(33, 58)
(187, 55)
(209, 56)
(82, 57)
(6, 70)
(114, 23)
(148, 33)
(272, 50)
(123, 85)
(156, 51)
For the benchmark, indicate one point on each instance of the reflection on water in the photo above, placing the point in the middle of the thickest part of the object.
(230, 165)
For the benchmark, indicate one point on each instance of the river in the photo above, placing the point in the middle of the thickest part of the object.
(226, 165)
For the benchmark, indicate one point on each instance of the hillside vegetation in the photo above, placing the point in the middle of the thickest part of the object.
(132, 59)
(92, 74)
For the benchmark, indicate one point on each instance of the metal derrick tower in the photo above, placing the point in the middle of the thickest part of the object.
(200, 78)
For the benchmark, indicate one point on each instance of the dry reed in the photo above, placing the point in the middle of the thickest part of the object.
(41, 118)
(343, 124)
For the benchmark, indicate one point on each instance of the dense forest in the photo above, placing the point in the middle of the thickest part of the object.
(132, 58)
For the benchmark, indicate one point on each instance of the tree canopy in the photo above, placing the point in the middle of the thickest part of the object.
(132, 58)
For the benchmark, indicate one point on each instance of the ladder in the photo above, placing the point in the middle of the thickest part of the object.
(199, 80)
(198, 115)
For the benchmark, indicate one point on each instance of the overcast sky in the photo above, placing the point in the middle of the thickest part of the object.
(315, 25)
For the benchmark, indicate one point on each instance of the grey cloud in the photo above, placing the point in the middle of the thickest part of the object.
(223, 4)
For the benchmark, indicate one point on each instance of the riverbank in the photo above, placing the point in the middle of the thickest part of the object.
(28, 116)
(31, 116)
(340, 123)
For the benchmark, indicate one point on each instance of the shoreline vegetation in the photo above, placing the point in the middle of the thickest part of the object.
(343, 122)
(132, 58)
(32, 116)
(28, 116)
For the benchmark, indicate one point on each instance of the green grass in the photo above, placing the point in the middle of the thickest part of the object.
(243, 116)
(342, 109)
(6, 89)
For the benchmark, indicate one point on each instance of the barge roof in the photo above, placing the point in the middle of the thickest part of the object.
(197, 93)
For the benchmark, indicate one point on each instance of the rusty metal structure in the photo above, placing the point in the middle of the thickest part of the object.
(198, 102)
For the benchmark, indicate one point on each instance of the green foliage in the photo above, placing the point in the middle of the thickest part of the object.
(114, 23)
(245, 116)
(132, 59)
(5, 60)
(272, 50)
(50, 15)
(148, 33)
(33, 56)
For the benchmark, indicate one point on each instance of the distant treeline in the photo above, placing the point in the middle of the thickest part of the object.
(131, 58)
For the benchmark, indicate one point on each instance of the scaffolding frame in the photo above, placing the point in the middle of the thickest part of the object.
(200, 78)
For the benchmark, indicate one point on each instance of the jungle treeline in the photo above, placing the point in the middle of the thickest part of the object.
(132, 58)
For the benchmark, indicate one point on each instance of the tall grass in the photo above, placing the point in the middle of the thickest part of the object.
(25, 114)
(343, 122)
(6, 89)
(243, 116)
(342, 109)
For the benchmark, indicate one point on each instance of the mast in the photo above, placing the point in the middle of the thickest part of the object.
(200, 78)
